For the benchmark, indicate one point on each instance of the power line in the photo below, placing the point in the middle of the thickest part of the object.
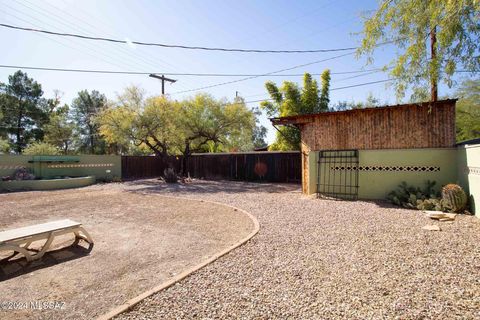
(147, 60)
(361, 84)
(332, 89)
(266, 74)
(337, 80)
(260, 100)
(163, 45)
(91, 51)
(182, 74)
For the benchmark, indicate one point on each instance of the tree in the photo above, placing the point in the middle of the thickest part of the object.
(325, 94)
(85, 109)
(449, 29)
(41, 148)
(371, 102)
(211, 125)
(164, 127)
(468, 110)
(4, 146)
(140, 125)
(24, 110)
(259, 132)
(59, 130)
(309, 97)
(289, 100)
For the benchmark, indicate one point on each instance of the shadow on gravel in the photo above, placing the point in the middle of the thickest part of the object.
(19, 266)
(209, 186)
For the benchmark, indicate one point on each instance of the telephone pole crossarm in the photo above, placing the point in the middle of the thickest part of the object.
(163, 79)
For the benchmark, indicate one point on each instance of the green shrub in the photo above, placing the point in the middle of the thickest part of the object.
(4, 146)
(41, 149)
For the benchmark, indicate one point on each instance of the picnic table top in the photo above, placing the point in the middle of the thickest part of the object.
(37, 229)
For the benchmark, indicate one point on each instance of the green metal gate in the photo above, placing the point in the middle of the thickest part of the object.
(338, 174)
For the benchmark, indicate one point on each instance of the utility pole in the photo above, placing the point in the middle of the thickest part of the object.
(163, 78)
(433, 51)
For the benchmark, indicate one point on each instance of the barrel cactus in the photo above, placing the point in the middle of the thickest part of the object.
(454, 197)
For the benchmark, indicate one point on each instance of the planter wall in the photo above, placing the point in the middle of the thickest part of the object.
(53, 184)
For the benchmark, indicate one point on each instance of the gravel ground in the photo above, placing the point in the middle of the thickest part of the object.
(141, 240)
(325, 259)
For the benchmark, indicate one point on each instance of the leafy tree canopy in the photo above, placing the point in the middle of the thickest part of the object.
(290, 100)
(24, 110)
(84, 110)
(408, 24)
(211, 125)
(164, 127)
(468, 110)
(371, 102)
(59, 130)
(138, 125)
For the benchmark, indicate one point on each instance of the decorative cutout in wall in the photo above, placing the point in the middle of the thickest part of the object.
(389, 168)
(473, 170)
(10, 167)
(83, 165)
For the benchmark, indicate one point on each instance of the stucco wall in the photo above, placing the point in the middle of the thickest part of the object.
(469, 174)
(101, 166)
(376, 184)
(381, 171)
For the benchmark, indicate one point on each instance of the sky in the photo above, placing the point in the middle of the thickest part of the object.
(249, 24)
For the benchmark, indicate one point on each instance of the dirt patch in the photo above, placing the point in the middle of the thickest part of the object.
(140, 239)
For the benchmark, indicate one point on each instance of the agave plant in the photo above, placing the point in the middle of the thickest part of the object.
(170, 176)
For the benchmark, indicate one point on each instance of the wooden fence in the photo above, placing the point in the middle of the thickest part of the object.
(137, 167)
(253, 166)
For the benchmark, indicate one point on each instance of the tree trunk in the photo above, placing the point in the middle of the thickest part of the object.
(92, 141)
(186, 156)
(19, 129)
(433, 50)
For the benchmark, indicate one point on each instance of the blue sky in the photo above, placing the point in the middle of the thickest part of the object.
(257, 24)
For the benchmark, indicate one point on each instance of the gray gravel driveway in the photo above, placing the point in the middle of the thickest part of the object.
(324, 259)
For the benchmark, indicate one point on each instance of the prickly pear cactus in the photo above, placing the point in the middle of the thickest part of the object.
(454, 197)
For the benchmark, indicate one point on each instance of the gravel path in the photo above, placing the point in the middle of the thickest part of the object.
(325, 259)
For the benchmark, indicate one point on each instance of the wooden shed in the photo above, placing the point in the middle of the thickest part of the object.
(407, 126)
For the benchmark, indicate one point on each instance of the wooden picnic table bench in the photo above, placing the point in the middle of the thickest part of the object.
(18, 240)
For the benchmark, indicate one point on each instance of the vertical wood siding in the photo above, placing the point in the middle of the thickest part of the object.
(403, 127)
